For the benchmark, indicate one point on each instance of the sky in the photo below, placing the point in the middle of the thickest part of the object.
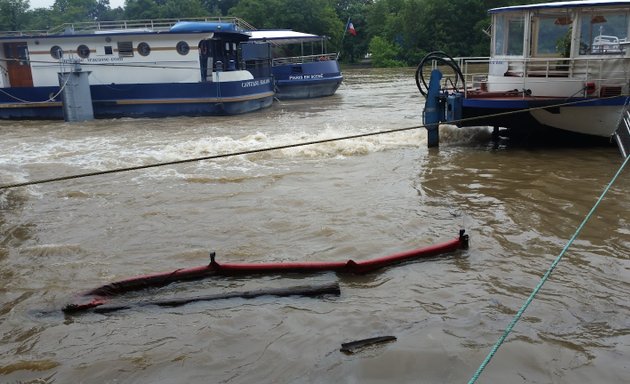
(49, 3)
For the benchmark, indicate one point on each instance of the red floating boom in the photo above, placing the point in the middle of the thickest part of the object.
(99, 295)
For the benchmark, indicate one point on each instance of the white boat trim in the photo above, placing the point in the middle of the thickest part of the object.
(283, 36)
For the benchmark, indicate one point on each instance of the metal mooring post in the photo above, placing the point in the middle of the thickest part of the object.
(77, 98)
(622, 134)
(433, 110)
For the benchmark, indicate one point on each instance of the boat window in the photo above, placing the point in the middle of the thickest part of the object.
(18, 52)
(551, 35)
(125, 49)
(603, 33)
(144, 49)
(509, 33)
(56, 52)
(182, 48)
(83, 51)
(108, 50)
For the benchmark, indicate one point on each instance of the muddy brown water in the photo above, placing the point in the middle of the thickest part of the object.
(356, 199)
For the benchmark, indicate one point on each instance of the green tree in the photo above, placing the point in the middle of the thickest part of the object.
(219, 7)
(155, 9)
(39, 19)
(182, 8)
(312, 16)
(141, 9)
(67, 11)
(416, 27)
(13, 14)
(261, 14)
(384, 53)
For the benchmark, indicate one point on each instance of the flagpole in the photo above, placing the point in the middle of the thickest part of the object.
(343, 37)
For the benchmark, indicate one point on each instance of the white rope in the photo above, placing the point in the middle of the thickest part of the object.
(51, 98)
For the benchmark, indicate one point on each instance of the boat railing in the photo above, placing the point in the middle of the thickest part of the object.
(599, 71)
(142, 24)
(34, 32)
(304, 59)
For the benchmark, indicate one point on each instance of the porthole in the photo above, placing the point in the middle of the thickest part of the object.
(56, 52)
(83, 51)
(144, 49)
(182, 48)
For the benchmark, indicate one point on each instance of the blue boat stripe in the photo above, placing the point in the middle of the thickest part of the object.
(188, 101)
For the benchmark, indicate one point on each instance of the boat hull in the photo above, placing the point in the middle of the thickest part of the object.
(594, 117)
(144, 100)
(307, 80)
(286, 90)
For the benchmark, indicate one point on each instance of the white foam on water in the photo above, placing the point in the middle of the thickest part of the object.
(112, 144)
(260, 140)
(104, 151)
(453, 135)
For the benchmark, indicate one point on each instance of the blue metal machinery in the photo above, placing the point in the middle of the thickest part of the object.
(440, 105)
(433, 112)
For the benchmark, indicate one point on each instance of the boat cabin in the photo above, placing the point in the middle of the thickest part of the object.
(568, 39)
(554, 67)
(560, 31)
(187, 52)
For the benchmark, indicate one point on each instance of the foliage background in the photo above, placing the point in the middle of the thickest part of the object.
(393, 32)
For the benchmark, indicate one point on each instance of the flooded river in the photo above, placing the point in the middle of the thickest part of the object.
(354, 199)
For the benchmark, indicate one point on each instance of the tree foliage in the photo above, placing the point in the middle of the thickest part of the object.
(384, 53)
(394, 32)
(312, 16)
(13, 14)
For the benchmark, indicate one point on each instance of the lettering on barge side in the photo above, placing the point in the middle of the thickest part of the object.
(306, 77)
(255, 83)
(94, 60)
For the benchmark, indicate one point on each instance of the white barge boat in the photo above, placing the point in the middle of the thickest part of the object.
(561, 66)
(136, 69)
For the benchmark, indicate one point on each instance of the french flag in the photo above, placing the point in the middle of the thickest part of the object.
(351, 29)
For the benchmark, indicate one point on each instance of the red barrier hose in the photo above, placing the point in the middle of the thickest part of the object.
(99, 295)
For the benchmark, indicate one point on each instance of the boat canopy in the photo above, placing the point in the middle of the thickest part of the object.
(562, 4)
(283, 36)
(203, 26)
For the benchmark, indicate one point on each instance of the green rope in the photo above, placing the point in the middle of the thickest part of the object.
(544, 279)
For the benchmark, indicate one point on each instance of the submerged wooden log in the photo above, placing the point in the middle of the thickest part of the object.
(308, 291)
(354, 346)
(233, 269)
(100, 296)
